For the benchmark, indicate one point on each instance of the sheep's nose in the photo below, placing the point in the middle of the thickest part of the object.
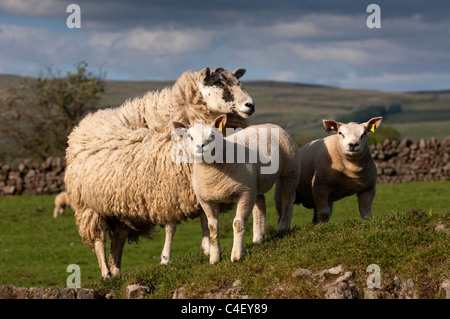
(353, 145)
(251, 106)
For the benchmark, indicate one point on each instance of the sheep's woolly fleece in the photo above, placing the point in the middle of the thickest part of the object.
(119, 165)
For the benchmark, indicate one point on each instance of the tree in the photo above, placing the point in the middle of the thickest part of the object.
(38, 115)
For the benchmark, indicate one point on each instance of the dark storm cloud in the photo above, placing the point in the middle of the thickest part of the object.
(325, 42)
(118, 14)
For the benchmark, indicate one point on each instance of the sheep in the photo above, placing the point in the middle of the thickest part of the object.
(120, 176)
(61, 202)
(338, 166)
(227, 177)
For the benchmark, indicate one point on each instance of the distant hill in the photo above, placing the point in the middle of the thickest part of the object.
(300, 108)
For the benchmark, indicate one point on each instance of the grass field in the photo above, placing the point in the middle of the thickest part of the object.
(36, 249)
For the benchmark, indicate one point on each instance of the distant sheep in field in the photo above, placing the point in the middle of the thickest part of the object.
(61, 202)
(336, 167)
(229, 177)
(120, 175)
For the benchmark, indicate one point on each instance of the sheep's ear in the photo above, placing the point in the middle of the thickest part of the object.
(373, 124)
(180, 129)
(330, 126)
(239, 73)
(220, 122)
(205, 73)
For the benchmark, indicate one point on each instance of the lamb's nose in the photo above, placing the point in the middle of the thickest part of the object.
(353, 145)
(251, 106)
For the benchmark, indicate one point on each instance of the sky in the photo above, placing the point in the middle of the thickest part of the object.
(324, 42)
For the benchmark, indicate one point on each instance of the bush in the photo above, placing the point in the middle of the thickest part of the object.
(382, 133)
(38, 115)
(363, 115)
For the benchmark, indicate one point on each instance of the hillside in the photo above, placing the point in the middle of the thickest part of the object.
(326, 261)
(300, 108)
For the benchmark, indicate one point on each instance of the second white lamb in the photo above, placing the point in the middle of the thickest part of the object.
(221, 175)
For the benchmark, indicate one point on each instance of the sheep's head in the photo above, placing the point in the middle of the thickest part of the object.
(206, 141)
(223, 92)
(352, 136)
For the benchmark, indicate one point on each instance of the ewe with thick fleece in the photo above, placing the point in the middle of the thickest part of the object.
(229, 177)
(120, 176)
(61, 201)
(336, 167)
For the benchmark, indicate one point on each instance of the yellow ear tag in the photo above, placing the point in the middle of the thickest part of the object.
(220, 126)
(372, 128)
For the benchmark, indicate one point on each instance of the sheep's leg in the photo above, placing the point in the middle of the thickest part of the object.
(284, 203)
(99, 249)
(365, 201)
(259, 219)
(244, 209)
(206, 244)
(212, 215)
(118, 240)
(166, 253)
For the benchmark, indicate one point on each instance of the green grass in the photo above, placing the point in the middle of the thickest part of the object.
(36, 249)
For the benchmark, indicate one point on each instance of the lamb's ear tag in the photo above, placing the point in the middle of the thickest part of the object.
(220, 126)
(372, 128)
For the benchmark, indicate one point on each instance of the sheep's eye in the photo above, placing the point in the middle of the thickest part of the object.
(340, 133)
(365, 133)
(188, 135)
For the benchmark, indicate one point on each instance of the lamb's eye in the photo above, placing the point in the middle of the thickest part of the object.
(188, 135)
(365, 133)
(340, 133)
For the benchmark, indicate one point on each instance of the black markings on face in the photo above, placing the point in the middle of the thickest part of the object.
(220, 80)
(227, 96)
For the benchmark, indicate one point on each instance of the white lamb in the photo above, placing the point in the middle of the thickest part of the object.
(61, 202)
(336, 167)
(228, 177)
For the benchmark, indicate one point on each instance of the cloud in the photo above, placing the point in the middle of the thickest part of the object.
(325, 42)
(399, 82)
(32, 8)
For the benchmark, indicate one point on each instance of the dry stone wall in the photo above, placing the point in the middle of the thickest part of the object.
(407, 160)
(397, 162)
(31, 177)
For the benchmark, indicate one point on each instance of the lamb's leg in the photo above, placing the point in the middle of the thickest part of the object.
(244, 209)
(166, 253)
(61, 209)
(259, 219)
(322, 211)
(284, 202)
(206, 245)
(118, 240)
(55, 212)
(365, 201)
(212, 215)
